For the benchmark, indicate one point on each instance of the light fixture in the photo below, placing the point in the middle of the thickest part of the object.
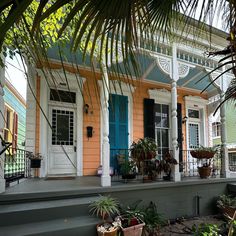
(86, 108)
(184, 119)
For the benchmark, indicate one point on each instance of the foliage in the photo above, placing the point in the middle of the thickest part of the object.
(204, 154)
(166, 164)
(128, 167)
(205, 230)
(226, 200)
(104, 207)
(153, 220)
(132, 214)
(143, 149)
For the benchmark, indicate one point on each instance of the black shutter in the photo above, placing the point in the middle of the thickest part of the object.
(149, 122)
(180, 133)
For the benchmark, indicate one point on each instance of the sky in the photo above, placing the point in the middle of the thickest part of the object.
(15, 74)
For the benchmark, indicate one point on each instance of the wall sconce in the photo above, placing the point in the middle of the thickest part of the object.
(86, 108)
(184, 119)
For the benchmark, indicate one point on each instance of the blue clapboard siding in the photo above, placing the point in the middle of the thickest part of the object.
(20, 109)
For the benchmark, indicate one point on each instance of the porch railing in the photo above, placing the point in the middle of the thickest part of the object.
(16, 165)
(188, 166)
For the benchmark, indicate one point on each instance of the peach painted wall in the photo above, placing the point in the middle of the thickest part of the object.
(91, 146)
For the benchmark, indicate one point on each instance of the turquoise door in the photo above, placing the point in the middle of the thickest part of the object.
(118, 128)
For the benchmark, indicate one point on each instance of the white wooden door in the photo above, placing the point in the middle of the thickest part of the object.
(62, 143)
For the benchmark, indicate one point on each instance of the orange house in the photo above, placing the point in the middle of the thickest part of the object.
(84, 116)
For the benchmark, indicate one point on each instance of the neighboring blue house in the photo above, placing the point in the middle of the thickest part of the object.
(15, 116)
(14, 132)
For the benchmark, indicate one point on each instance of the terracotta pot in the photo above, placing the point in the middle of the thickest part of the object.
(202, 154)
(135, 230)
(108, 233)
(204, 172)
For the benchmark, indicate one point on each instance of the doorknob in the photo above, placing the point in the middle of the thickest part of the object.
(75, 148)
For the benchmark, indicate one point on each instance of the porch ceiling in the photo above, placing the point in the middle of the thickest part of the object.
(149, 69)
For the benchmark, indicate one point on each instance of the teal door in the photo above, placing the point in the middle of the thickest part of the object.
(118, 128)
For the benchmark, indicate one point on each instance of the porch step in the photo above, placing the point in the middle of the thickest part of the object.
(82, 226)
(232, 189)
(30, 212)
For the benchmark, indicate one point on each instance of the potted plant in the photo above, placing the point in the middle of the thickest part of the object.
(204, 155)
(104, 208)
(227, 205)
(128, 169)
(131, 222)
(142, 151)
(153, 220)
(166, 165)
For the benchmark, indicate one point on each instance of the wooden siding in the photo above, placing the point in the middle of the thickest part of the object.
(19, 107)
(91, 146)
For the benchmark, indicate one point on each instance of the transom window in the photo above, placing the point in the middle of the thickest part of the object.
(193, 113)
(162, 128)
(62, 127)
(216, 129)
(62, 96)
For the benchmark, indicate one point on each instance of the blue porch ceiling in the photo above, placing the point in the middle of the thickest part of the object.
(148, 69)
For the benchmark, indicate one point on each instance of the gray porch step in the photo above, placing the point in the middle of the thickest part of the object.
(82, 226)
(29, 212)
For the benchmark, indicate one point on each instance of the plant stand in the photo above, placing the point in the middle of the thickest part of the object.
(204, 172)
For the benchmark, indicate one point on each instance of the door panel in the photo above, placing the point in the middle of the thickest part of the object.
(62, 155)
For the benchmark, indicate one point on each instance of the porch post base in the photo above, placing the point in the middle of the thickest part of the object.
(2, 185)
(226, 174)
(106, 181)
(177, 177)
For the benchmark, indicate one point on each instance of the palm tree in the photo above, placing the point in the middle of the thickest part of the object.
(106, 29)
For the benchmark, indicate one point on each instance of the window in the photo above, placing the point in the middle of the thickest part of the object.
(232, 161)
(62, 96)
(216, 129)
(11, 127)
(63, 127)
(193, 113)
(193, 129)
(161, 112)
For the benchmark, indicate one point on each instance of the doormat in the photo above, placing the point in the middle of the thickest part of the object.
(60, 178)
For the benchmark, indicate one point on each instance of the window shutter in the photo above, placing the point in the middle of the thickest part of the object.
(15, 131)
(180, 137)
(149, 118)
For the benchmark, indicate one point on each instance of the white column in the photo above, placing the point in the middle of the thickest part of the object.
(225, 156)
(106, 178)
(2, 79)
(174, 124)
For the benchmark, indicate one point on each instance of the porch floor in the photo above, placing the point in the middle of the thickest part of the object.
(38, 188)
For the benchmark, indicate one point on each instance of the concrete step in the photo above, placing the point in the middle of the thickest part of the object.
(29, 212)
(82, 226)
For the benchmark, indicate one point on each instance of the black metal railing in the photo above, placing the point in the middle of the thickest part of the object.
(16, 165)
(189, 165)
